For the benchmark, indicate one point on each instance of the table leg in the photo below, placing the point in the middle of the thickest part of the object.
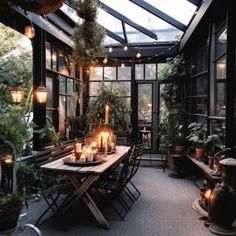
(81, 192)
(95, 211)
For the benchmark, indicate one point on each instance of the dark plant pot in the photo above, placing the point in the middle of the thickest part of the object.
(9, 218)
(223, 205)
(211, 162)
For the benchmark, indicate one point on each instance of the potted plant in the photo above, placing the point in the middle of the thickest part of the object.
(10, 208)
(197, 137)
(48, 135)
(118, 112)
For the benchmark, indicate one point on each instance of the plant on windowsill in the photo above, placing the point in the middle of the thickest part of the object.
(88, 36)
(198, 138)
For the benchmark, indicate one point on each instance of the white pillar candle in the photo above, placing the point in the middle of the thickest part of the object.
(82, 158)
(89, 155)
(78, 147)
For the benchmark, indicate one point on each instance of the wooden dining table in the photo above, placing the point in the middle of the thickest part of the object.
(82, 177)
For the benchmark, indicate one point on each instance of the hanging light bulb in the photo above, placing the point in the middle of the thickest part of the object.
(41, 93)
(125, 47)
(29, 31)
(122, 65)
(17, 94)
(138, 54)
(110, 49)
(105, 60)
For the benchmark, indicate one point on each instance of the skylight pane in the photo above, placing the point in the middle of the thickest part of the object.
(110, 41)
(180, 10)
(135, 36)
(110, 22)
(138, 15)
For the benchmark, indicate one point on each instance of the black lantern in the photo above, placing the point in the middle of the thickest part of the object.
(41, 93)
(17, 94)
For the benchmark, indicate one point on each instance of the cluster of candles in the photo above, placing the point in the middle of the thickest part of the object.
(84, 153)
(106, 141)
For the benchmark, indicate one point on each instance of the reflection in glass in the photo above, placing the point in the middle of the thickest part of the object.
(93, 88)
(123, 88)
(49, 85)
(48, 57)
(221, 42)
(150, 71)
(109, 73)
(70, 84)
(139, 71)
(221, 68)
(160, 66)
(62, 84)
(62, 112)
(199, 106)
(124, 73)
(54, 60)
(95, 73)
(220, 99)
(145, 103)
(62, 65)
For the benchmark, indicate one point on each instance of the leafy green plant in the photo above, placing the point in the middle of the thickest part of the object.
(15, 131)
(118, 111)
(9, 201)
(27, 179)
(174, 74)
(49, 134)
(88, 36)
(197, 135)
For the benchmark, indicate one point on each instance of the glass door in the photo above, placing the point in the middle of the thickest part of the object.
(148, 114)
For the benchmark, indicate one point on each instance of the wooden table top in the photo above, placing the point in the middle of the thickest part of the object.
(59, 166)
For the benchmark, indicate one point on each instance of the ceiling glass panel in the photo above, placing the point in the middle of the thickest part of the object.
(183, 14)
(110, 22)
(135, 36)
(110, 41)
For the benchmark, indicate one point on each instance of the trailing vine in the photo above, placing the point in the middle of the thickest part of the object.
(88, 36)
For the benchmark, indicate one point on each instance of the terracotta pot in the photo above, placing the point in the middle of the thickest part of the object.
(9, 218)
(199, 153)
(179, 149)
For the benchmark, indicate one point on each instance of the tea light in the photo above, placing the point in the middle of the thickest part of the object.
(94, 145)
(78, 147)
(72, 158)
(8, 159)
(82, 158)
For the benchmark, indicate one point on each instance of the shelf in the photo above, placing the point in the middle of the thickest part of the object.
(207, 171)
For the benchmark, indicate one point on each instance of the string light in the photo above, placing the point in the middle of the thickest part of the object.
(125, 47)
(144, 59)
(122, 65)
(110, 49)
(138, 54)
(105, 60)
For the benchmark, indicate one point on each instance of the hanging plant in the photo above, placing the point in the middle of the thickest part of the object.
(88, 36)
(39, 7)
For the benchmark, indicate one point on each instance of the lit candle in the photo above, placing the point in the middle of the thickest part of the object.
(78, 147)
(8, 159)
(207, 198)
(89, 155)
(94, 145)
(82, 158)
(106, 114)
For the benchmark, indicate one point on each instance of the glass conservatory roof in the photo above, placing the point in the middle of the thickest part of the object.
(142, 21)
